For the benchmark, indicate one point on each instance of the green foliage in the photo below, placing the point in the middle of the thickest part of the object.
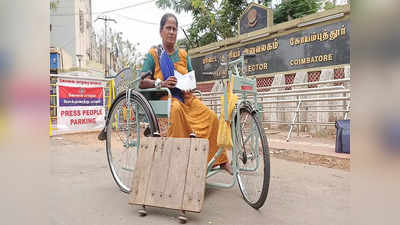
(212, 20)
(127, 51)
(329, 5)
(183, 43)
(293, 9)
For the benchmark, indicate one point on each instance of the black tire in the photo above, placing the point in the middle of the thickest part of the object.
(247, 159)
(121, 128)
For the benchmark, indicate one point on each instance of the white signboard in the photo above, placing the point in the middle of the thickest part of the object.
(80, 104)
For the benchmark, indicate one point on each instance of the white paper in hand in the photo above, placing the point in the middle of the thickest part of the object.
(185, 82)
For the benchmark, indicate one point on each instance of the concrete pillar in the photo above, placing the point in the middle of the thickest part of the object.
(347, 71)
(218, 86)
(301, 77)
(348, 84)
(323, 117)
(340, 115)
(279, 80)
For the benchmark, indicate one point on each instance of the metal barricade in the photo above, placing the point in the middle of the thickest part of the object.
(297, 101)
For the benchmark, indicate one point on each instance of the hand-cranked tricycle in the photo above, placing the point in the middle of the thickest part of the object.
(133, 117)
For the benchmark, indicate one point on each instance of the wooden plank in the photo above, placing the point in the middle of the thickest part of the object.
(175, 186)
(159, 173)
(170, 173)
(193, 197)
(142, 171)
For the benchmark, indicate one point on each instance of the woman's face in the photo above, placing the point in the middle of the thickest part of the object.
(169, 31)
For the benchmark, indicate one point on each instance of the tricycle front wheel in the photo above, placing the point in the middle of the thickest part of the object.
(252, 158)
(128, 123)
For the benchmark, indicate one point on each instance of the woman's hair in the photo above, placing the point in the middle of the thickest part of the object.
(164, 20)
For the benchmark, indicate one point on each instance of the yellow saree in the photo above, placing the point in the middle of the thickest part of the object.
(192, 115)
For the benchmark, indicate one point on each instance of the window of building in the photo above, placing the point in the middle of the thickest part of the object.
(81, 21)
(313, 76)
(88, 24)
(289, 79)
(264, 83)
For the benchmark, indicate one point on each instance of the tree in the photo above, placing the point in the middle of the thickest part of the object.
(124, 51)
(127, 53)
(293, 9)
(212, 20)
(218, 20)
(329, 5)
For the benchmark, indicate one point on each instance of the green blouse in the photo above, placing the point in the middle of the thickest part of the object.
(148, 64)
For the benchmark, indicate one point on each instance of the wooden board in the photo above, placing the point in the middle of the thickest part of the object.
(159, 173)
(170, 173)
(141, 173)
(175, 185)
(195, 181)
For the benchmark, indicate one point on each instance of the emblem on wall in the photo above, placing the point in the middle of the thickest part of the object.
(255, 17)
(252, 18)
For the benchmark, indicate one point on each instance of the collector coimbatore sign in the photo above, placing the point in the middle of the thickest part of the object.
(318, 46)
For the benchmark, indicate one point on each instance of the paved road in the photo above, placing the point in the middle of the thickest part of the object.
(84, 193)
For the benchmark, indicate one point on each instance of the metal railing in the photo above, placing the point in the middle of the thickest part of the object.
(297, 101)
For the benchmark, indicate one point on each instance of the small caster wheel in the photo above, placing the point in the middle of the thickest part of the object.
(147, 132)
(182, 218)
(142, 211)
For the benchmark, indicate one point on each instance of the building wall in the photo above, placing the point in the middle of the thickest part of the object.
(67, 60)
(317, 117)
(71, 29)
(62, 21)
(83, 29)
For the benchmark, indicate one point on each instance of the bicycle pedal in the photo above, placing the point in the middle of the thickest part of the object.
(147, 132)
(244, 158)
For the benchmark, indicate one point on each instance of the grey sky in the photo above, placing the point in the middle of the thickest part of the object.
(146, 33)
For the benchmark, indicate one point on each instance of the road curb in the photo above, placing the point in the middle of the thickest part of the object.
(328, 161)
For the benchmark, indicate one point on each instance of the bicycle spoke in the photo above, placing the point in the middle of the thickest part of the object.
(252, 133)
(124, 131)
(251, 162)
(244, 122)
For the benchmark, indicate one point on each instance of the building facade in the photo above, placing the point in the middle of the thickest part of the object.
(71, 30)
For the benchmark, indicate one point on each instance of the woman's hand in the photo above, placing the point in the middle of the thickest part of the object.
(188, 92)
(170, 82)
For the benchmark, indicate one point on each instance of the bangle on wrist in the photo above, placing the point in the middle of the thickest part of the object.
(157, 83)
